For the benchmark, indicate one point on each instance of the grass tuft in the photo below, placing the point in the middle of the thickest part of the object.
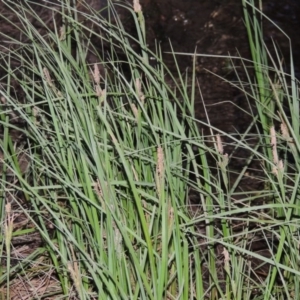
(102, 157)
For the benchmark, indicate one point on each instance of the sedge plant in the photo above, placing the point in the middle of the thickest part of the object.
(110, 149)
(110, 154)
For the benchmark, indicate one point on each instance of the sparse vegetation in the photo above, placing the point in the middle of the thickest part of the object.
(100, 162)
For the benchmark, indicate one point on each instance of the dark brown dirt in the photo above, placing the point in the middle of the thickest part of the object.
(216, 27)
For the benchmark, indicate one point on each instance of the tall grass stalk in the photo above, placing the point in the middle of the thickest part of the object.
(275, 208)
(277, 93)
(111, 154)
(108, 178)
